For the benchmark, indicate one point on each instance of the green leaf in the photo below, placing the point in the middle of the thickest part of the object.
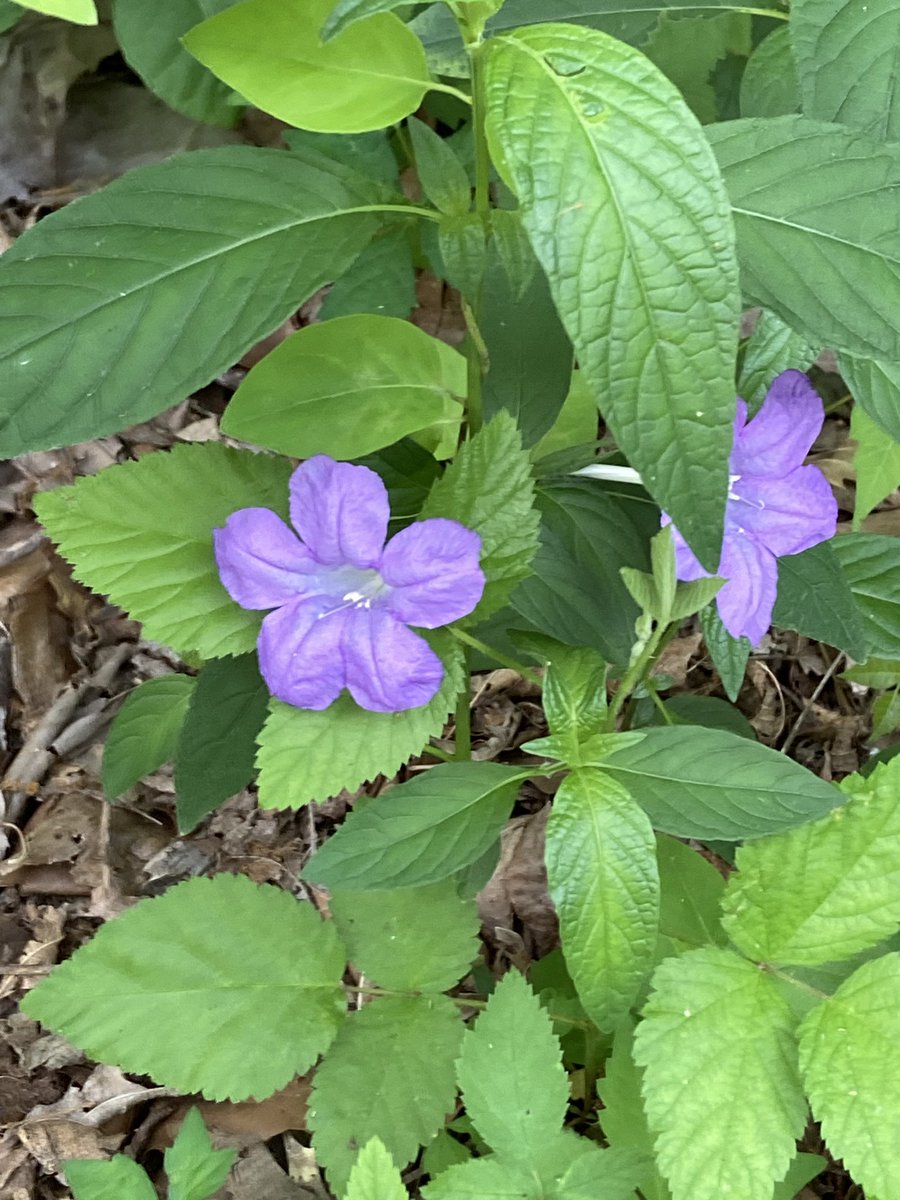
(374, 1176)
(686, 708)
(388, 1075)
(10, 12)
(574, 690)
(736, 1134)
(444, 178)
(871, 565)
(512, 1079)
(381, 279)
(825, 259)
(369, 154)
(269, 50)
(769, 87)
(144, 734)
(347, 12)
(194, 1168)
(486, 1179)
(81, 12)
(444, 1152)
(489, 488)
(704, 783)
(149, 37)
(803, 1169)
(691, 892)
(876, 388)
(420, 832)
(344, 745)
(459, 256)
(157, 256)
(827, 890)
(575, 425)
(848, 71)
(874, 673)
(688, 50)
(119, 1179)
(885, 715)
(773, 347)
(729, 654)
(622, 1118)
(850, 1059)
(347, 387)
(157, 986)
(603, 878)
(217, 743)
(815, 599)
(141, 533)
(419, 939)
(626, 255)
(877, 463)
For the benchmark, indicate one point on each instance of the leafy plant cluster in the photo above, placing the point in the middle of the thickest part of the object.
(604, 203)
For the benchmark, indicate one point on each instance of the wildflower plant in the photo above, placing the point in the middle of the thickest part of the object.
(605, 207)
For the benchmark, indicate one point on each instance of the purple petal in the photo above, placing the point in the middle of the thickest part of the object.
(300, 653)
(340, 511)
(786, 515)
(432, 567)
(389, 668)
(746, 601)
(687, 565)
(780, 435)
(261, 562)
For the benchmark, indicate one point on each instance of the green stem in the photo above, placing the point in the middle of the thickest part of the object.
(463, 738)
(434, 86)
(475, 348)
(797, 983)
(663, 711)
(635, 674)
(461, 1001)
(497, 655)
(408, 210)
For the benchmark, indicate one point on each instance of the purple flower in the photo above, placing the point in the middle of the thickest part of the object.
(776, 506)
(342, 598)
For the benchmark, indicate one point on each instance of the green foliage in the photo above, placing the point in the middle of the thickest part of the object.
(601, 868)
(269, 50)
(10, 12)
(772, 348)
(703, 1002)
(686, 708)
(217, 743)
(254, 962)
(419, 832)
(871, 565)
(141, 533)
(144, 734)
(374, 1176)
(348, 387)
(444, 178)
(877, 463)
(388, 1075)
(78, 361)
(876, 389)
(826, 890)
(194, 1168)
(344, 745)
(769, 87)
(729, 654)
(688, 49)
(691, 892)
(625, 252)
(659, 594)
(348, 12)
(574, 690)
(815, 599)
(381, 279)
(623, 1119)
(81, 12)
(118, 1179)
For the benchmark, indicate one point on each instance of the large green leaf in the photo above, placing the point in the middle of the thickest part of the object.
(845, 51)
(602, 872)
(772, 348)
(628, 216)
(689, 50)
(119, 1179)
(769, 86)
(825, 259)
(690, 895)
(348, 387)
(815, 599)
(877, 465)
(141, 533)
(876, 388)
(149, 36)
(270, 51)
(420, 832)
(705, 783)
(850, 1059)
(194, 1169)
(871, 565)
(374, 1176)
(827, 890)
(112, 309)
(623, 1119)
(736, 1134)
(381, 279)
(344, 745)
(388, 1075)
(82, 12)
(144, 734)
(219, 986)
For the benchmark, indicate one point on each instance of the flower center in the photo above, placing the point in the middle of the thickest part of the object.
(733, 481)
(353, 587)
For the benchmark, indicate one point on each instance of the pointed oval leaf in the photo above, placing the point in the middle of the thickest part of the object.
(769, 86)
(876, 388)
(194, 1169)
(119, 1179)
(144, 734)
(773, 347)
(81, 12)
(871, 565)
(374, 1176)
(815, 599)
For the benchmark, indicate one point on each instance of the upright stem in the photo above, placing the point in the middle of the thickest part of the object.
(635, 674)
(463, 719)
(475, 349)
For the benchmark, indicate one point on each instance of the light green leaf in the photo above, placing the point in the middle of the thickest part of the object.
(347, 12)
(729, 654)
(737, 1133)
(510, 1073)
(489, 488)
(827, 890)
(418, 939)
(690, 894)
(119, 1179)
(575, 425)
(486, 1179)
(135, 324)
(381, 279)
(773, 347)
(141, 533)
(624, 256)
(874, 673)
(885, 715)
(769, 86)
(705, 783)
(844, 51)
(345, 745)
(388, 1075)
(157, 986)
(622, 1118)
(444, 178)
(149, 36)
(603, 878)
(876, 388)
(459, 256)
(574, 690)
(81, 12)
(217, 741)
(850, 1059)
(269, 50)
(195, 1170)
(877, 463)
(871, 565)
(347, 387)
(825, 259)
(815, 599)
(420, 832)
(374, 1176)
(687, 49)
(144, 734)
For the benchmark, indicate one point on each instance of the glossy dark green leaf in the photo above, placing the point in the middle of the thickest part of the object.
(381, 279)
(871, 565)
(815, 599)
(729, 654)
